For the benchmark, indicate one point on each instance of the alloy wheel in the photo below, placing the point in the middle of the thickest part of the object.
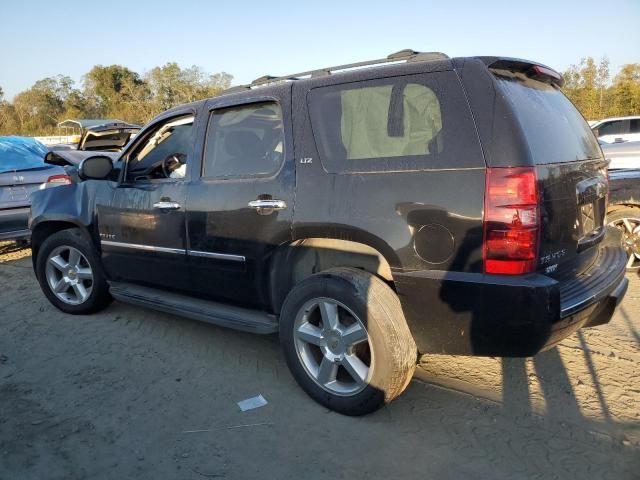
(69, 275)
(333, 345)
(630, 228)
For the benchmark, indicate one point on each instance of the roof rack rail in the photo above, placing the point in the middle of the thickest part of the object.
(406, 55)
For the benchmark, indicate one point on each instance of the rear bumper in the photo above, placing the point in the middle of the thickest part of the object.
(14, 223)
(496, 315)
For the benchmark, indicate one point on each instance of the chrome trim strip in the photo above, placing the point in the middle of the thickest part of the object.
(180, 251)
(148, 248)
(217, 256)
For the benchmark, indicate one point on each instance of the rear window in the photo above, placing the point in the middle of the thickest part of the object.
(554, 130)
(398, 123)
(107, 140)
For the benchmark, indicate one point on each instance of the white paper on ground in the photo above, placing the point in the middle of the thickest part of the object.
(251, 403)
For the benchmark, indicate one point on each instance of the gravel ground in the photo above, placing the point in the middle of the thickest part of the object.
(118, 395)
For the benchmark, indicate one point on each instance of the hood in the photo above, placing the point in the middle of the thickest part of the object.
(75, 157)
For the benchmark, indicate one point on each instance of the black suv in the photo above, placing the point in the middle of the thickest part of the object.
(420, 204)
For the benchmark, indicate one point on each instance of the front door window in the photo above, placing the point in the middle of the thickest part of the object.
(164, 153)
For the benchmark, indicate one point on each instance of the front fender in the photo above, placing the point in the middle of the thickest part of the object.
(70, 204)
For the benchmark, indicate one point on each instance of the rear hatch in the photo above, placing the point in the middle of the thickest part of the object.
(110, 137)
(569, 165)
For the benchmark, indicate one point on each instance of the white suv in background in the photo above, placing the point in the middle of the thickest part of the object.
(619, 129)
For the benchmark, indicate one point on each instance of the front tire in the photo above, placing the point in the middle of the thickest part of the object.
(70, 274)
(346, 341)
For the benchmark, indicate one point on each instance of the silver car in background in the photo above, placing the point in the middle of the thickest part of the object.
(22, 171)
(622, 154)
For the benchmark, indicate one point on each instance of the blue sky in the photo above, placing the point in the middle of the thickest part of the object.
(251, 38)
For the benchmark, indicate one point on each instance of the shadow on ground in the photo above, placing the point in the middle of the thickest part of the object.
(114, 395)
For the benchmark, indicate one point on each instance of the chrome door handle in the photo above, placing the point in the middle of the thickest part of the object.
(268, 204)
(165, 205)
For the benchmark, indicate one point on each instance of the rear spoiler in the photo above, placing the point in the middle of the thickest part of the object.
(534, 70)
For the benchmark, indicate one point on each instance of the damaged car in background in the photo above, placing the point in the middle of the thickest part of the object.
(22, 172)
(99, 135)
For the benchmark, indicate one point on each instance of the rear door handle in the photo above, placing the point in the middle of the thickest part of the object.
(268, 204)
(166, 205)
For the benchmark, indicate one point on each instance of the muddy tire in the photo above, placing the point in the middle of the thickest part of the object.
(346, 341)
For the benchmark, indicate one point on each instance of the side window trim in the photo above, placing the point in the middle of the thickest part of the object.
(227, 105)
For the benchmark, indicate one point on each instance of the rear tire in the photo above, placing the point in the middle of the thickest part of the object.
(627, 220)
(70, 274)
(346, 341)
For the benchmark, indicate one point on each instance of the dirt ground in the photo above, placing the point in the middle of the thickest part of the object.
(122, 395)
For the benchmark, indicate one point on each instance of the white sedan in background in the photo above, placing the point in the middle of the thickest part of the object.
(618, 129)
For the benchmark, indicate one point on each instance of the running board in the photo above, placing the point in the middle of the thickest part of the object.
(229, 316)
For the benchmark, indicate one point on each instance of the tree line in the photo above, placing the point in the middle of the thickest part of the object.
(112, 91)
(590, 87)
(115, 91)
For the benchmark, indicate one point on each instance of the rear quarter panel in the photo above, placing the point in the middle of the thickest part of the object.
(419, 219)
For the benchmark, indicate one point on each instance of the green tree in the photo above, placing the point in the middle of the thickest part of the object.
(586, 85)
(624, 94)
(112, 91)
(40, 108)
(171, 85)
(8, 121)
(106, 88)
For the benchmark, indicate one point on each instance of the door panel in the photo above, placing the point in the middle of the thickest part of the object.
(143, 229)
(247, 160)
(141, 243)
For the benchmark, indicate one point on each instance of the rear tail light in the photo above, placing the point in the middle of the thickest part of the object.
(511, 220)
(59, 179)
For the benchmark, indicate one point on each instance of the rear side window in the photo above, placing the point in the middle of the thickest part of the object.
(244, 141)
(634, 126)
(397, 123)
(553, 128)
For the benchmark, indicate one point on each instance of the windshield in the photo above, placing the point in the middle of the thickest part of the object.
(555, 131)
(21, 153)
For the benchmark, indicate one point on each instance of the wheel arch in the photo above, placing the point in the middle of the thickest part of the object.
(41, 230)
(301, 258)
